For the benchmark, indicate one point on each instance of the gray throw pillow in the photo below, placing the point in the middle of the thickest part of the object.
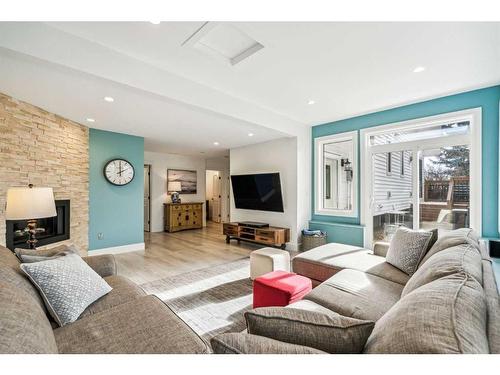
(407, 248)
(329, 332)
(30, 256)
(67, 284)
(242, 343)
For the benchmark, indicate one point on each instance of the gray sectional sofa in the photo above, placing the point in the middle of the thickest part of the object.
(449, 305)
(123, 321)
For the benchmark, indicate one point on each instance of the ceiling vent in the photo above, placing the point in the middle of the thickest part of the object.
(223, 41)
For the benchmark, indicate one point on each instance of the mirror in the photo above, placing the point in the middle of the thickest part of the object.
(336, 163)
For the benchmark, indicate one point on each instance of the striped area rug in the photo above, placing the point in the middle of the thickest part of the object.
(211, 300)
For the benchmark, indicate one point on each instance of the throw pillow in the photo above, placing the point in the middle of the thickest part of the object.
(30, 256)
(407, 248)
(242, 343)
(67, 285)
(329, 332)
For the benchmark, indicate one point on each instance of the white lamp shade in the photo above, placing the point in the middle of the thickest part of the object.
(30, 203)
(174, 186)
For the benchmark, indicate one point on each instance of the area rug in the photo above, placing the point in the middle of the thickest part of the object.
(211, 300)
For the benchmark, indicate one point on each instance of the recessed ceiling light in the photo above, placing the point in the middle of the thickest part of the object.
(109, 99)
(311, 102)
(250, 134)
(155, 22)
(419, 69)
(90, 120)
(216, 143)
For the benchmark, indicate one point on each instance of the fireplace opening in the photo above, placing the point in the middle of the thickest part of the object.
(56, 228)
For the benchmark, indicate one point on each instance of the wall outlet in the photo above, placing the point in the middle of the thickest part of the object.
(100, 236)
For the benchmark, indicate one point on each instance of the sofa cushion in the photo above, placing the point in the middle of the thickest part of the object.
(242, 343)
(104, 265)
(493, 306)
(142, 325)
(319, 263)
(123, 291)
(461, 258)
(326, 331)
(357, 294)
(24, 327)
(323, 262)
(11, 274)
(305, 304)
(450, 239)
(407, 248)
(67, 284)
(31, 256)
(447, 315)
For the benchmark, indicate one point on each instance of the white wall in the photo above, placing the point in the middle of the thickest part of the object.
(275, 156)
(160, 162)
(304, 172)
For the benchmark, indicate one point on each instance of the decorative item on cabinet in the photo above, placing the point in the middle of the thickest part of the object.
(181, 216)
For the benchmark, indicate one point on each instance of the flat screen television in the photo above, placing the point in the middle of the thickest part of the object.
(258, 192)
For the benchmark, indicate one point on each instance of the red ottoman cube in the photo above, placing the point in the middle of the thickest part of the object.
(279, 288)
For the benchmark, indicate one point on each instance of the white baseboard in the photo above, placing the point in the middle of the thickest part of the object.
(118, 249)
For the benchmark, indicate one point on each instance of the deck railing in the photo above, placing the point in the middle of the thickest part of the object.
(454, 190)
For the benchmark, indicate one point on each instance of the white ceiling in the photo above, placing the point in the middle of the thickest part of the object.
(182, 99)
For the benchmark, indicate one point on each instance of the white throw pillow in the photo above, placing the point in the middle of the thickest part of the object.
(407, 248)
(67, 284)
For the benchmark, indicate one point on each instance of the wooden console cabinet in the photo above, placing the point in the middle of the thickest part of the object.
(270, 236)
(181, 216)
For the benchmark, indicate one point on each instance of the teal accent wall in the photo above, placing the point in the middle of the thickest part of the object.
(487, 99)
(115, 211)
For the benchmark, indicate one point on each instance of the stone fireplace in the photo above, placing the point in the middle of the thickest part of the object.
(44, 149)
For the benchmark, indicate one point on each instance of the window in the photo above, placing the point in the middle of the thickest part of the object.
(422, 133)
(402, 163)
(437, 161)
(328, 182)
(388, 165)
(336, 174)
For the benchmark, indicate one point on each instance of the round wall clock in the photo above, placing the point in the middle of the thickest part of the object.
(119, 172)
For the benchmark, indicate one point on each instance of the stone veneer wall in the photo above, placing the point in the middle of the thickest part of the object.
(44, 149)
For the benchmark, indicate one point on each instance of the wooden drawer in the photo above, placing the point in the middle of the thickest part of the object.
(230, 232)
(267, 240)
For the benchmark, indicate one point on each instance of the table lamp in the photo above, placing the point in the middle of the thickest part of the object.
(174, 187)
(30, 203)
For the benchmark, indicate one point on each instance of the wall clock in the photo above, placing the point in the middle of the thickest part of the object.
(119, 172)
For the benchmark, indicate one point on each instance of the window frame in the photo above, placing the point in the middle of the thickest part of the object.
(319, 168)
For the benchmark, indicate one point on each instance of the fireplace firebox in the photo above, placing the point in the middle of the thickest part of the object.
(55, 228)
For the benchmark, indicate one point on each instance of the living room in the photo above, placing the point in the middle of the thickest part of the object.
(233, 187)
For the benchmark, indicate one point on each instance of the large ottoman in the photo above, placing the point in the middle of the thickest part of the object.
(268, 259)
(279, 288)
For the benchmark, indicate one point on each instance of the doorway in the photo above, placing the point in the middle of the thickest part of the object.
(214, 195)
(147, 197)
(422, 174)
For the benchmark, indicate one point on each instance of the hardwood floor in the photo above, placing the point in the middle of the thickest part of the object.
(169, 254)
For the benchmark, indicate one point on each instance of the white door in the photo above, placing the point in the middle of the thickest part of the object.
(147, 198)
(216, 198)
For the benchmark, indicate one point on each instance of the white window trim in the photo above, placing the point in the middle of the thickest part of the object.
(473, 139)
(319, 143)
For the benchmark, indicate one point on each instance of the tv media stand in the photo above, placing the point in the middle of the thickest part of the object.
(270, 236)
